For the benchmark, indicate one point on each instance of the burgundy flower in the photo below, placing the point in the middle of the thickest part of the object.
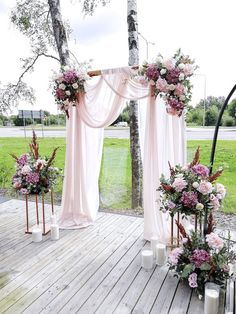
(32, 177)
(61, 94)
(199, 257)
(172, 76)
(175, 104)
(189, 199)
(152, 72)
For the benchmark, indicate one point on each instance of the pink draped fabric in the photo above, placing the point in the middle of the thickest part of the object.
(161, 138)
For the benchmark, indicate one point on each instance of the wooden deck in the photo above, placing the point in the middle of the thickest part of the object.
(96, 269)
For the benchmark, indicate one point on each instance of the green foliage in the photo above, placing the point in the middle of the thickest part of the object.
(232, 108)
(228, 121)
(211, 115)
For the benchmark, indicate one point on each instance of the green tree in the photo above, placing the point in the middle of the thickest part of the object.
(232, 108)
(211, 115)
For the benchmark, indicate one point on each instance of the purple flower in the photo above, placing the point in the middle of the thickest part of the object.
(70, 76)
(189, 199)
(179, 184)
(175, 104)
(22, 160)
(32, 177)
(201, 170)
(152, 72)
(192, 280)
(199, 257)
(24, 191)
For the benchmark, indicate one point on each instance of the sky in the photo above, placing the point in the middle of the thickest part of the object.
(203, 29)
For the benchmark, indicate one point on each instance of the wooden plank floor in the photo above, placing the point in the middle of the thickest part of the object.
(96, 269)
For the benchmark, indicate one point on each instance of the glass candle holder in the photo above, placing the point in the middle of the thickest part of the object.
(212, 296)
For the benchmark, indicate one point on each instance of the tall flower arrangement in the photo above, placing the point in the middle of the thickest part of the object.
(201, 260)
(190, 189)
(67, 84)
(170, 78)
(34, 174)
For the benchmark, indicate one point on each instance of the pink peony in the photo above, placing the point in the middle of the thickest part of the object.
(205, 187)
(162, 85)
(179, 89)
(188, 69)
(214, 201)
(214, 241)
(201, 170)
(169, 64)
(179, 184)
(175, 255)
(192, 280)
(220, 189)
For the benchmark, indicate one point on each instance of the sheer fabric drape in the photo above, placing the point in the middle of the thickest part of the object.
(161, 139)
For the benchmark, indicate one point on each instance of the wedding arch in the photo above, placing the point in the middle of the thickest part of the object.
(162, 139)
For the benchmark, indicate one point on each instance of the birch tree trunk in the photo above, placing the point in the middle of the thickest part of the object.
(136, 163)
(59, 31)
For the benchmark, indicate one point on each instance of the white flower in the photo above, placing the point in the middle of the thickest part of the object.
(68, 93)
(181, 77)
(75, 85)
(181, 66)
(182, 97)
(199, 206)
(158, 60)
(220, 189)
(26, 169)
(171, 87)
(62, 86)
(205, 187)
(66, 68)
(163, 71)
(195, 185)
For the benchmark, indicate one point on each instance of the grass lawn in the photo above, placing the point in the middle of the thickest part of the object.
(115, 179)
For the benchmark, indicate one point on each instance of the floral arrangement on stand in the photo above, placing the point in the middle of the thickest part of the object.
(67, 84)
(170, 79)
(191, 189)
(34, 174)
(200, 260)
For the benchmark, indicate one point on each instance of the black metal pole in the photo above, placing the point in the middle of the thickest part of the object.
(213, 147)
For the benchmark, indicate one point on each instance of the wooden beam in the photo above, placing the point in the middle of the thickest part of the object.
(99, 72)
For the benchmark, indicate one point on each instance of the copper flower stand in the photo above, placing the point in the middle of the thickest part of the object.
(45, 227)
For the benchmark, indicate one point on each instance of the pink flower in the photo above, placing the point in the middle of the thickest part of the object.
(192, 280)
(201, 170)
(214, 241)
(220, 189)
(24, 191)
(171, 205)
(162, 85)
(175, 255)
(179, 184)
(205, 187)
(17, 185)
(22, 160)
(188, 69)
(179, 89)
(169, 63)
(152, 72)
(26, 169)
(214, 202)
(32, 177)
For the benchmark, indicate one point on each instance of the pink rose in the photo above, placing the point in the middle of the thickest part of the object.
(179, 184)
(192, 280)
(214, 241)
(205, 187)
(162, 85)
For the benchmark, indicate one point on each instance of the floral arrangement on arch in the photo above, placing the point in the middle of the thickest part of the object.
(67, 84)
(190, 189)
(34, 174)
(170, 78)
(201, 260)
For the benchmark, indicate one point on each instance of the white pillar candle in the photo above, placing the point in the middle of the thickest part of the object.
(147, 259)
(37, 234)
(160, 254)
(154, 242)
(53, 219)
(54, 232)
(211, 303)
(231, 295)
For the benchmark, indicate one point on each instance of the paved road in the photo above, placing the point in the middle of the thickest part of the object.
(192, 133)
